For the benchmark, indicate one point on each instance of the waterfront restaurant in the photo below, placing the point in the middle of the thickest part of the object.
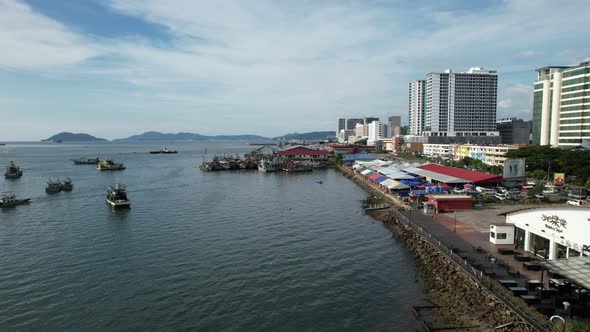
(552, 232)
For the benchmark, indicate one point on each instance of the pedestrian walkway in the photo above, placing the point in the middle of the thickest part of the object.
(474, 246)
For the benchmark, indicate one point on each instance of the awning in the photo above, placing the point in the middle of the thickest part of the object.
(575, 269)
(375, 176)
(367, 171)
(381, 179)
(393, 185)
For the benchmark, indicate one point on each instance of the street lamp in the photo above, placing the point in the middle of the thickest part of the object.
(493, 260)
(562, 321)
(455, 227)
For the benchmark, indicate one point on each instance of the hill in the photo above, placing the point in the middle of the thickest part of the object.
(71, 137)
(311, 136)
(158, 136)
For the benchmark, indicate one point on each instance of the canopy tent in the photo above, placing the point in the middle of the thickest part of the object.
(367, 171)
(360, 156)
(575, 269)
(375, 176)
(381, 179)
(412, 182)
(394, 185)
(395, 173)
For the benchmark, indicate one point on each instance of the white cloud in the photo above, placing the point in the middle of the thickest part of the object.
(516, 101)
(276, 64)
(32, 41)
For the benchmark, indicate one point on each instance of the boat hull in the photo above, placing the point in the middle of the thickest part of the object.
(15, 203)
(118, 204)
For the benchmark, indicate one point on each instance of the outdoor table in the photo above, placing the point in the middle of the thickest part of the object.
(531, 299)
(514, 273)
(547, 293)
(532, 284)
(532, 266)
(517, 291)
(505, 251)
(554, 275)
(522, 258)
(508, 283)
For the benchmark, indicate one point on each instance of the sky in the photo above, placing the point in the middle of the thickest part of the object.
(114, 68)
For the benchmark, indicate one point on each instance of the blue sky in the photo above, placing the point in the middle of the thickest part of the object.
(114, 68)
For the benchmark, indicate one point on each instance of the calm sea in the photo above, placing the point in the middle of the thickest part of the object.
(239, 250)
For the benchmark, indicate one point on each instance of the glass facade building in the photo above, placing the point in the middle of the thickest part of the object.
(561, 105)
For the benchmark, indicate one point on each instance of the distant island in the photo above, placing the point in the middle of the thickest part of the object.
(312, 136)
(158, 136)
(71, 137)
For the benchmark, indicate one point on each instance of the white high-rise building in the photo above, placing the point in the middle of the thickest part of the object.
(561, 107)
(417, 107)
(377, 131)
(461, 104)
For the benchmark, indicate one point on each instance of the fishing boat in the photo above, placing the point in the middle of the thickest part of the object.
(86, 161)
(265, 166)
(164, 151)
(117, 196)
(67, 185)
(109, 165)
(13, 171)
(53, 186)
(294, 166)
(9, 199)
(318, 181)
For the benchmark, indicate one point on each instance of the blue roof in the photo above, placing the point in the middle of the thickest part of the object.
(359, 156)
(381, 179)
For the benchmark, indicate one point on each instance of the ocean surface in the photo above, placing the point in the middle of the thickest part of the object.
(224, 251)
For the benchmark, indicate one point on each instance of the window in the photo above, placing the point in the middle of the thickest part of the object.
(492, 235)
(501, 236)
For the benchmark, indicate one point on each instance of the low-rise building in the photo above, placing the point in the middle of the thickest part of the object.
(552, 232)
(494, 155)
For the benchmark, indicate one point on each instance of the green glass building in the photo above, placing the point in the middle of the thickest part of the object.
(561, 105)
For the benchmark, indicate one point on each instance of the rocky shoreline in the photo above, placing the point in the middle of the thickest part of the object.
(458, 303)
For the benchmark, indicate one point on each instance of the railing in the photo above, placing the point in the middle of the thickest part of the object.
(530, 316)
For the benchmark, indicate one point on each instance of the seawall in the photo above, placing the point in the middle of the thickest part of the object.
(459, 301)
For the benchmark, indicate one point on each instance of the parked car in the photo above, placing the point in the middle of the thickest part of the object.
(576, 202)
(501, 197)
(540, 195)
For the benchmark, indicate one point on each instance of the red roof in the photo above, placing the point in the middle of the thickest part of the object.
(375, 176)
(303, 152)
(465, 174)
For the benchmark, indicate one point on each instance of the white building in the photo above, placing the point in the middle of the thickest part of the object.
(377, 131)
(438, 150)
(552, 232)
(560, 105)
(344, 135)
(417, 106)
(361, 130)
(461, 104)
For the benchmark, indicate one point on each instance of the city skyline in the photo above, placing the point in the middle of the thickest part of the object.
(121, 67)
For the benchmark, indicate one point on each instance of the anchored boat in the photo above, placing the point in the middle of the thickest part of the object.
(67, 185)
(266, 166)
(86, 161)
(109, 165)
(164, 151)
(117, 196)
(9, 199)
(13, 171)
(53, 186)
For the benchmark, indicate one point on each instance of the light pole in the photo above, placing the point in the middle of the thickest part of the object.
(562, 321)
(493, 260)
(455, 227)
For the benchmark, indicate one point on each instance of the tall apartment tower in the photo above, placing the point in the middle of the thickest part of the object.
(417, 107)
(561, 106)
(368, 121)
(461, 104)
(395, 125)
(514, 131)
(351, 123)
(341, 124)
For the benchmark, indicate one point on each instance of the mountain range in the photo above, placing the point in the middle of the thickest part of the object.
(158, 136)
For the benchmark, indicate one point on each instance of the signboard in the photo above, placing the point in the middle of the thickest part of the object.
(514, 168)
(558, 179)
